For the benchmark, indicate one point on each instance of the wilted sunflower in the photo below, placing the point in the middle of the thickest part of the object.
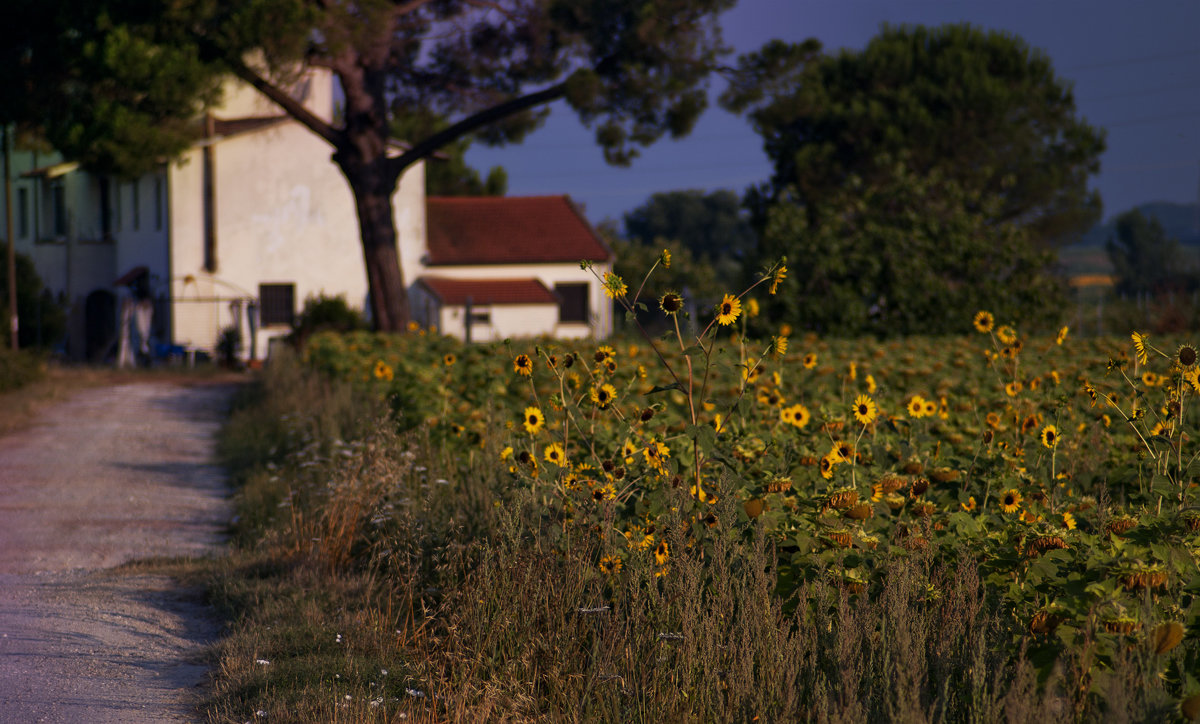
(984, 321)
(1049, 436)
(1186, 356)
(1010, 501)
(728, 310)
(522, 365)
(534, 419)
(864, 410)
(671, 303)
(603, 395)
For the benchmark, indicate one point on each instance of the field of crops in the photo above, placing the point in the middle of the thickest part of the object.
(1063, 467)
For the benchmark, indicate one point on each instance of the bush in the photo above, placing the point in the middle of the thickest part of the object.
(20, 368)
(36, 308)
(325, 313)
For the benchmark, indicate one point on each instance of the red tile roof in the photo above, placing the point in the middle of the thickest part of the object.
(454, 292)
(509, 230)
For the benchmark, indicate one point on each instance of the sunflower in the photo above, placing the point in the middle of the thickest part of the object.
(610, 565)
(534, 420)
(449, 360)
(992, 420)
(671, 303)
(1062, 335)
(383, 371)
(662, 552)
(796, 415)
(931, 408)
(843, 450)
(871, 386)
(1139, 346)
(1010, 501)
(655, 453)
(522, 365)
(665, 258)
(916, 406)
(728, 310)
(969, 505)
(1006, 334)
(603, 395)
(554, 454)
(614, 286)
(779, 346)
(1186, 356)
(810, 360)
(779, 275)
(864, 410)
(984, 321)
(1012, 389)
(1068, 521)
(1049, 436)
(603, 354)
(827, 464)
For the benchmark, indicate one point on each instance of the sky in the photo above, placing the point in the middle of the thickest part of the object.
(1134, 66)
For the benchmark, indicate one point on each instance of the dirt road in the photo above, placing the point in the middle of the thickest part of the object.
(109, 476)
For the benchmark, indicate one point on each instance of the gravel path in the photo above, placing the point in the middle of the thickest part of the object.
(109, 476)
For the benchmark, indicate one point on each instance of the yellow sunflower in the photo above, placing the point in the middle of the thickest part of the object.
(554, 454)
(1068, 521)
(810, 360)
(864, 410)
(1062, 335)
(522, 365)
(614, 286)
(534, 420)
(728, 310)
(1006, 334)
(449, 360)
(1010, 501)
(662, 552)
(603, 395)
(796, 415)
(610, 565)
(1049, 436)
(984, 321)
(969, 505)
(779, 275)
(916, 407)
(383, 371)
(1139, 346)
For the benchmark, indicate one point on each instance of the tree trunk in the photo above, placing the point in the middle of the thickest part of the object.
(385, 278)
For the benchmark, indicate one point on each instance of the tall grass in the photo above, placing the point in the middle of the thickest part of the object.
(382, 576)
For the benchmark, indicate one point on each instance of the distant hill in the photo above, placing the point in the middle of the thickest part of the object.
(1178, 220)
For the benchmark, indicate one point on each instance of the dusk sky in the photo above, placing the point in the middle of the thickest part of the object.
(1135, 67)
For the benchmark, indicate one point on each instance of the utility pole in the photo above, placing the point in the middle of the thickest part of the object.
(12, 250)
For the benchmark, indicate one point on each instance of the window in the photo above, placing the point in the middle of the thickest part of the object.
(276, 304)
(22, 212)
(572, 302)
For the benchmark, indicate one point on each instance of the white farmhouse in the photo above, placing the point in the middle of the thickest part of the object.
(255, 218)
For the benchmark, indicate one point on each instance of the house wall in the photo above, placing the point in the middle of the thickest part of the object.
(284, 214)
(506, 321)
(529, 325)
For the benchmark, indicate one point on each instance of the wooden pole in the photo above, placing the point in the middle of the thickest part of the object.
(12, 250)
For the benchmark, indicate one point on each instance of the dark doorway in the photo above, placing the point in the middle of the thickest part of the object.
(100, 324)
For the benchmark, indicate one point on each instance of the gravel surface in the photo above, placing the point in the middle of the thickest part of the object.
(109, 476)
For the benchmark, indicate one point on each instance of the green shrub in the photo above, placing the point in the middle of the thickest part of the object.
(20, 368)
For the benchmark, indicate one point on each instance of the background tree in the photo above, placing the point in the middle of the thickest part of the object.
(632, 69)
(447, 173)
(909, 255)
(690, 276)
(713, 226)
(1145, 260)
(43, 321)
(981, 108)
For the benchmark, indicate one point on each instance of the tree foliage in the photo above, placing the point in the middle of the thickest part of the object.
(633, 70)
(1145, 260)
(909, 254)
(42, 320)
(981, 108)
(713, 225)
(447, 173)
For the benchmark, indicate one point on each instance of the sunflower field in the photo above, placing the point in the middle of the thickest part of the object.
(1063, 468)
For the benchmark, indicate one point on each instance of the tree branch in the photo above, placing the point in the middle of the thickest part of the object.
(426, 147)
(294, 108)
